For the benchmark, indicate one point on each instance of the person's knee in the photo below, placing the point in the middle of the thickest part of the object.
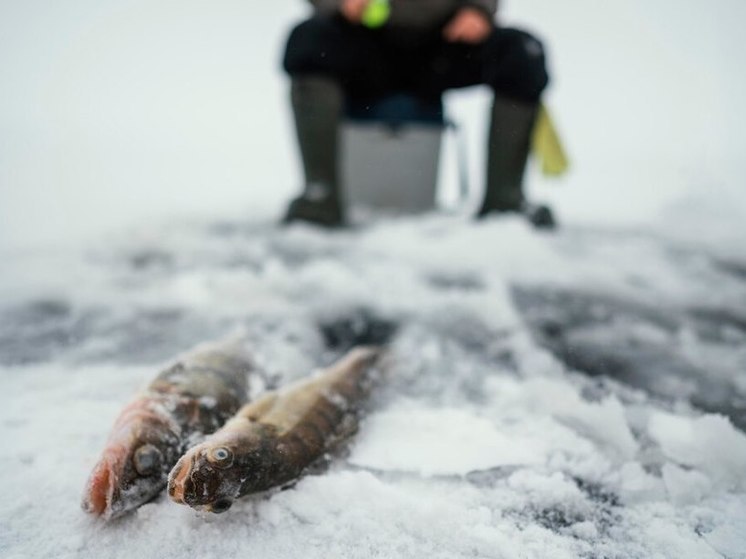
(516, 64)
(307, 45)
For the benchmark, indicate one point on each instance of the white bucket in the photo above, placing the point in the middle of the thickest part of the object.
(390, 168)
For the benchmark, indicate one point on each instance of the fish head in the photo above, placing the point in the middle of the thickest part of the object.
(210, 476)
(133, 468)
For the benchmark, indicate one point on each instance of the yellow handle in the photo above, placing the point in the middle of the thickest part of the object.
(547, 146)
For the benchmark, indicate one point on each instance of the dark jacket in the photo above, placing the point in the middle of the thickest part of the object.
(418, 14)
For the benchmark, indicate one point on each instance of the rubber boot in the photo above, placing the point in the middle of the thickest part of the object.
(509, 143)
(317, 104)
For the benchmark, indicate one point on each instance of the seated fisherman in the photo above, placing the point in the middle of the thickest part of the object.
(424, 47)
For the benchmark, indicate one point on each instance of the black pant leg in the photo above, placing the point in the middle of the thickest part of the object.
(515, 64)
(331, 46)
(511, 61)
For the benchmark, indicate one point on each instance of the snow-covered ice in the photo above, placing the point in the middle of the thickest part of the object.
(574, 395)
(482, 441)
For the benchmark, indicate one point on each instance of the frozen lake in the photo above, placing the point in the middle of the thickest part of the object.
(546, 399)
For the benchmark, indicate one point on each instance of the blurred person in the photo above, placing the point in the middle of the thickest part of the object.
(364, 50)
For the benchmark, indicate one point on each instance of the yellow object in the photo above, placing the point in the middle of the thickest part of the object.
(547, 146)
(376, 13)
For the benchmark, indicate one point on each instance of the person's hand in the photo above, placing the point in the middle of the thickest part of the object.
(352, 10)
(469, 25)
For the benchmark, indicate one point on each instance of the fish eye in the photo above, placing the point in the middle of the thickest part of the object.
(147, 460)
(221, 457)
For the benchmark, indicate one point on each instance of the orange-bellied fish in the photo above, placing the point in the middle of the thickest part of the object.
(272, 440)
(192, 398)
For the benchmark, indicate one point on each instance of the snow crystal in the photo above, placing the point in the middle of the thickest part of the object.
(685, 487)
(433, 441)
(708, 443)
(637, 485)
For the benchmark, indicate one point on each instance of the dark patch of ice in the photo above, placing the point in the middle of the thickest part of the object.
(46, 330)
(357, 327)
(455, 282)
(733, 268)
(631, 342)
(149, 259)
(39, 330)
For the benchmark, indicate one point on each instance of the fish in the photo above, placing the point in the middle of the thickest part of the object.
(272, 440)
(192, 398)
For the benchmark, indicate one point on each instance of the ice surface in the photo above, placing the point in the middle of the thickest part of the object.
(480, 441)
(433, 441)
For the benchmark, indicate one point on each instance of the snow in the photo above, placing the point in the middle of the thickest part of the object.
(144, 155)
(708, 443)
(439, 441)
(479, 442)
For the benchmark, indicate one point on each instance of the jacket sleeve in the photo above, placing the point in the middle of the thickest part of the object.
(488, 6)
(330, 6)
(326, 6)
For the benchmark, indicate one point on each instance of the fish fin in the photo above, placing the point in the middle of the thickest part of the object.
(254, 411)
(348, 427)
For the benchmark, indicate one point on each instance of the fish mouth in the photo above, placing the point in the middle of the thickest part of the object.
(178, 479)
(105, 496)
(102, 492)
(99, 492)
(189, 484)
